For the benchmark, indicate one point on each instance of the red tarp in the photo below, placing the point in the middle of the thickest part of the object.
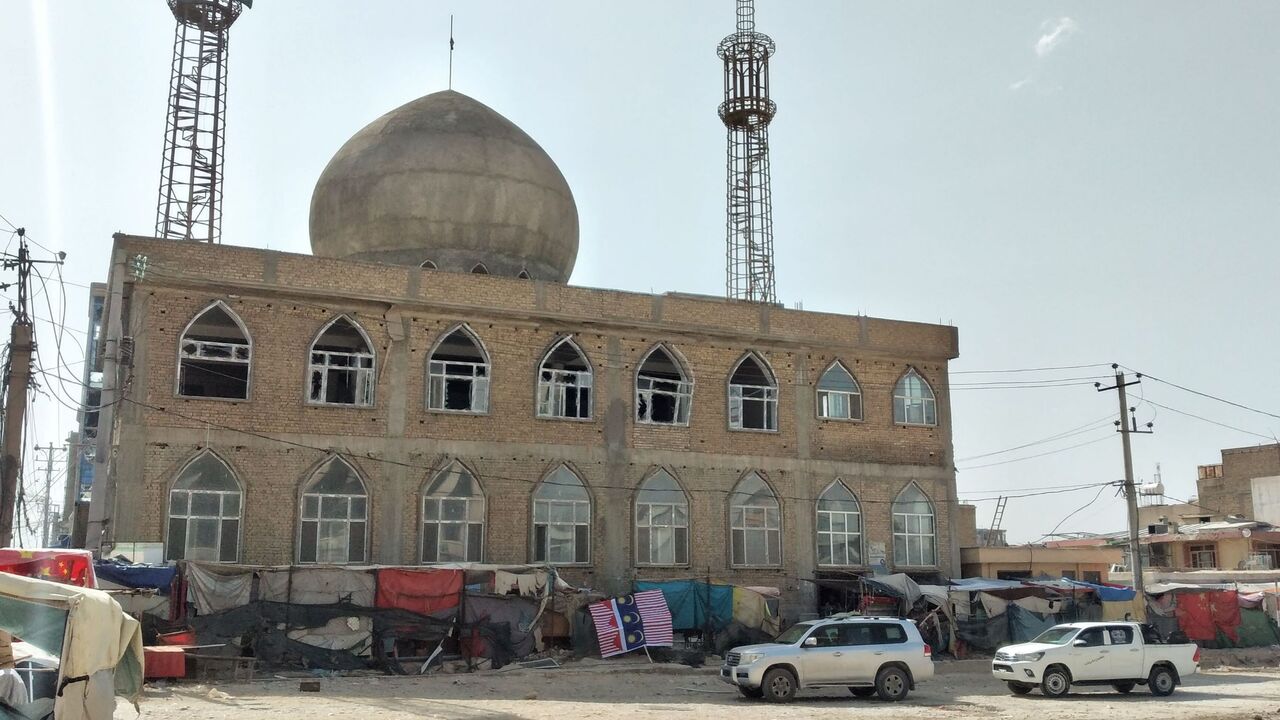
(421, 591)
(70, 567)
(1202, 614)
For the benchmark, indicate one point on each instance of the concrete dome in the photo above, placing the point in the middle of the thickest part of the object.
(446, 180)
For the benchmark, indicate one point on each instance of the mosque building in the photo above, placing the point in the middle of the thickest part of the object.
(426, 387)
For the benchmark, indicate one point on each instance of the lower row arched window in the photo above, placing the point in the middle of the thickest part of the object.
(204, 512)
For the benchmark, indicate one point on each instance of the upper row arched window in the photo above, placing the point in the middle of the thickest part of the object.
(215, 351)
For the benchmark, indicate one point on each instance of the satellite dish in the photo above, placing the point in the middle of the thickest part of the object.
(1246, 532)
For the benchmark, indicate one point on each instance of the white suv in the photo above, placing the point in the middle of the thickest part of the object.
(869, 655)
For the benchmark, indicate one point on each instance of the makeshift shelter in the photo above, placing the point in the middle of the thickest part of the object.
(99, 648)
(724, 615)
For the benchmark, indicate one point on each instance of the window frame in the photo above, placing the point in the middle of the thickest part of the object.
(927, 403)
(555, 386)
(819, 392)
(369, 375)
(907, 534)
(1196, 553)
(746, 527)
(247, 362)
(683, 394)
(534, 501)
(221, 518)
(445, 375)
(819, 532)
(736, 396)
(480, 497)
(313, 477)
(673, 526)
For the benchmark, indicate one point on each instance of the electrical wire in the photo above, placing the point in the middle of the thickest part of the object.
(1211, 422)
(1206, 395)
(1039, 455)
(1058, 436)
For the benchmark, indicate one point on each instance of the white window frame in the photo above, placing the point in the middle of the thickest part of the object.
(768, 521)
(647, 386)
(236, 353)
(913, 538)
(440, 522)
(765, 395)
(1199, 552)
(903, 404)
(187, 516)
(305, 517)
(554, 386)
(578, 510)
(331, 361)
(827, 398)
(645, 512)
(441, 372)
(832, 534)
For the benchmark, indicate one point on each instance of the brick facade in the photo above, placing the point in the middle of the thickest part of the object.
(1229, 490)
(271, 440)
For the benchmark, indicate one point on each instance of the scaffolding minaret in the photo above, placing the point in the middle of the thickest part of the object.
(190, 205)
(746, 112)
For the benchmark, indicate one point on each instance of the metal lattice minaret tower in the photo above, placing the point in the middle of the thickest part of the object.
(746, 112)
(190, 205)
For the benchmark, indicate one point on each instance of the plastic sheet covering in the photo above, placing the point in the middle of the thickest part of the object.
(156, 577)
(1225, 607)
(1202, 615)
(1256, 629)
(137, 603)
(901, 585)
(751, 609)
(516, 614)
(694, 604)
(1106, 593)
(421, 591)
(1118, 609)
(317, 585)
(213, 588)
(1025, 625)
(352, 633)
(987, 635)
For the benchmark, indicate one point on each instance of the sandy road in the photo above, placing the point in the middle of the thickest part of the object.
(622, 689)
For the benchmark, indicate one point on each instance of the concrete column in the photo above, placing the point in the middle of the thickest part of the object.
(613, 553)
(390, 510)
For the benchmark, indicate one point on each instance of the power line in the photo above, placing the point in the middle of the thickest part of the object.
(1211, 422)
(1074, 512)
(1207, 395)
(1024, 370)
(1039, 455)
(1045, 492)
(1064, 434)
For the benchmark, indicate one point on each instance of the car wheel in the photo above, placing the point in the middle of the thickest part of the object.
(750, 692)
(1018, 688)
(779, 685)
(1122, 688)
(1161, 681)
(892, 683)
(862, 691)
(1055, 682)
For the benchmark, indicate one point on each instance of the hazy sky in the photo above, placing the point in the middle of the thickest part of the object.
(1068, 183)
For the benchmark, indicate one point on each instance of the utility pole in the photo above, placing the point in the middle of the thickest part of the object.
(48, 489)
(1126, 426)
(17, 380)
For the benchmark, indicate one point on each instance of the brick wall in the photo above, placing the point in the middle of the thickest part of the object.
(1232, 492)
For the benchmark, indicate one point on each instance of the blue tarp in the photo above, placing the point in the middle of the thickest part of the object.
(158, 577)
(1025, 625)
(695, 605)
(984, 584)
(1106, 593)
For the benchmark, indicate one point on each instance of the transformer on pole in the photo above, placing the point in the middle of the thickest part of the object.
(190, 206)
(746, 112)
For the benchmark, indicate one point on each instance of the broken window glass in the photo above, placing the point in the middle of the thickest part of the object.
(213, 356)
(663, 392)
(753, 397)
(564, 383)
(342, 366)
(458, 374)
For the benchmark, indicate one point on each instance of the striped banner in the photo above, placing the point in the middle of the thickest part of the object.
(631, 622)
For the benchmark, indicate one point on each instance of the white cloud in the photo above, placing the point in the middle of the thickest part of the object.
(1055, 32)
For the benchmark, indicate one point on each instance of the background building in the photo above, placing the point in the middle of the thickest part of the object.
(427, 389)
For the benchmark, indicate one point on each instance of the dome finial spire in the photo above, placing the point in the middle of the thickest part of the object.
(450, 51)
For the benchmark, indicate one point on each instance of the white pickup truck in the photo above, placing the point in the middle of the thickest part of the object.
(1119, 654)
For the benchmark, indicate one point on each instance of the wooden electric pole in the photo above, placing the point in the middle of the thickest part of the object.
(17, 381)
(1126, 425)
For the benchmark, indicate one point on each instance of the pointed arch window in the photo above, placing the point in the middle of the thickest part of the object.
(428, 265)
(523, 274)
(755, 523)
(213, 355)
(458, 374)
(205, 507)
(753, 396)
(479, 269)
(342, 365)
(335, 516)
(453, 517)
(913, 401)
(662, 521)
(664, 392)
(561, 519)
(839, 527)
(564, 383)
(913, 529)
(839, 397)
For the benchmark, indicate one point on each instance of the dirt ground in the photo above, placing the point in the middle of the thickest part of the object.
(631, 690)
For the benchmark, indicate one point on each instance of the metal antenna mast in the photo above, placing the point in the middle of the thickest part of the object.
(746, 112)
(190, 205)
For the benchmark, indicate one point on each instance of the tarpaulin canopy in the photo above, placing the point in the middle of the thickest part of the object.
(695, 605)
(317, 585)
(214, 588)
(157, 577)
(1202, 615)
(421, 591)
(1107, 593)
(900, 584)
